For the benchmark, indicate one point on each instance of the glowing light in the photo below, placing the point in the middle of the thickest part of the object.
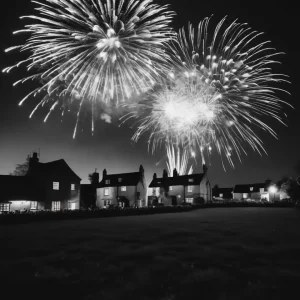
(273, 189)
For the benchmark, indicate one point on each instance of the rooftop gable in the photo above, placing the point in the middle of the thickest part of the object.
(122, 179)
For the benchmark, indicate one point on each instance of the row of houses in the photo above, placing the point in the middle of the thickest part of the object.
(55, 186)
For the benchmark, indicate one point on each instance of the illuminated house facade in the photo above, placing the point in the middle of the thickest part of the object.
(126, 189)
(255, 192)
(193, 189)
(47, 186)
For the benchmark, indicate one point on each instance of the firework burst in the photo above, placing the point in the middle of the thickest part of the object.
(222, 87)
(100, 50)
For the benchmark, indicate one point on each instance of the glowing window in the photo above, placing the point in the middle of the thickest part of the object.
(4, 207)
(107, 181)
(261, 190)
(245, 195)
(190, 188)
(191, 179)
(170, 188)
(123, 188)
(56, 186)
(221, 195)
(33, 205)
(120, 180)
(251, 189)
(56, 205)
(106, 192)
(71, 205)
(189, 200)
(72, 187)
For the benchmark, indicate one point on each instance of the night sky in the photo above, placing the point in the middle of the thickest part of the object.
(111, 146)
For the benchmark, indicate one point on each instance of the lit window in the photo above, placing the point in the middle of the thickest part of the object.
(71, 205)
(190, 188)
(56, 186)
(262, 190)
(106, 192)
(107, 203)
(107, 181)
(4, 207)
(123, 188)
(56, 205)
(120, 179)
(191, 179)
(33, 205)
(170, 188)
(221, 195)
(251, 189)
(189, 200)
(245, 195)
(72, 187)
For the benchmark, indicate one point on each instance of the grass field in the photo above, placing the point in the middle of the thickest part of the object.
(228, 253)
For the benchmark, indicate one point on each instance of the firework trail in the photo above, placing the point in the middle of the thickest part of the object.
(95, 50)
(221, 88)
(178, 160)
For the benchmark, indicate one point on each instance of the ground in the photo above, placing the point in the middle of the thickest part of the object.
(224, 253)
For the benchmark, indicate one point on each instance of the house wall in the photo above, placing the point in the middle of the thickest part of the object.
(20, 205)
(142, 190)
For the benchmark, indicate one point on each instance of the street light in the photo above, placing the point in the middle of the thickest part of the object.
(273, 190)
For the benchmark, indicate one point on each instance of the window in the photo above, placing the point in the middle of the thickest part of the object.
(245, 195)
(191, 179)
(71, 205)
(123, 188)
(262, 190)
(189, 200)
(190, 188)
(120, 180)
(33, 205)
(170, 188)
(56, 186)
(107, 203)
(251, 189)
(221, 195)
(56, 205)
(72, 187)
(107, 181)
(106, 192)
(4, 207)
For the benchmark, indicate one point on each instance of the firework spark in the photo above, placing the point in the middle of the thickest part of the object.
(100, 50)
(222, 87)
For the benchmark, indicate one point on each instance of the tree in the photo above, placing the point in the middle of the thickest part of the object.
(21, 169)
(90, 177)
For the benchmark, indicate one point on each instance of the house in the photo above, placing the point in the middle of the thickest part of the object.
(222, 194)
(193, 188)
(88, 192)
(255, 192)
(126, 189)
(46, 186)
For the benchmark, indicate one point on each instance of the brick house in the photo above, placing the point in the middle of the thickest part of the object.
(193, 189)
(125, 189)
(46, 186)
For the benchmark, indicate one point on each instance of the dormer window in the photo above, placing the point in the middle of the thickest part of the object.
(251, 189)
(107, 181)
(119, 179)
(191, 179)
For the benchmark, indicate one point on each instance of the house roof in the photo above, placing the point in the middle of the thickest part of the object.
(250, 188)
(227, 192)
(127, 179)
(53, 168)
(192, 179)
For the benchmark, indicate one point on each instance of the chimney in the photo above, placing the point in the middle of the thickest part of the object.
(165, 174)
(104, 173)
(33, 162)
(154, 176)
(95, 178)
(141, 170)
(175, 173)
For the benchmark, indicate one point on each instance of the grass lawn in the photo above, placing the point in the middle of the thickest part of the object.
(226, 253)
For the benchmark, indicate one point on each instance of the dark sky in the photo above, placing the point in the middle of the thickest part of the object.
(111, 147)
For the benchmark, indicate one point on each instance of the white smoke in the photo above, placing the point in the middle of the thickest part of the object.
(106, 118)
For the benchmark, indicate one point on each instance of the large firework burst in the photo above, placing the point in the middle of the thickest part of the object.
(222, 88)
(97, 50)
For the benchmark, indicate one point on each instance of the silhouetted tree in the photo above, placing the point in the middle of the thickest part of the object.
(90, 177)
(289, 186)
(21, 169)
